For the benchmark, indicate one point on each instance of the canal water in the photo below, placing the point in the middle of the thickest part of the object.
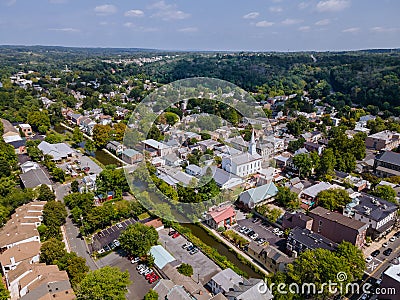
(203, 235)
(102, 156)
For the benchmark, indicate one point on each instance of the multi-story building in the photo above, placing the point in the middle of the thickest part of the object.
(384, 140)
(379, 214)
(387, 164)
(338, 227)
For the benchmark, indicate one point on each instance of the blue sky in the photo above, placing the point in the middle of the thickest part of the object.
(257, 25)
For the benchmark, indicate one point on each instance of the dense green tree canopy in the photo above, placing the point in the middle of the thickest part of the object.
(137, 239)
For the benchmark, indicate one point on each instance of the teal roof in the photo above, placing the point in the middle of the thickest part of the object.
(161, 256)
(130, 152)
(259, 194)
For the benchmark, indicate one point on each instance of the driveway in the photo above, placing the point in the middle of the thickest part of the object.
(109, 234)
(203, 267)
(139, 286)
(263, 231)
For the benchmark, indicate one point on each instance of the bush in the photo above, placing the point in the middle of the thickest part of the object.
(185, 269)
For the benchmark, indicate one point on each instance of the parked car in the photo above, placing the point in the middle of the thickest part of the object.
(397, 234)
(251, 233)
(106, 248)
(255, 220)
(254, 236)
(144, 270)
(247, 231)
(369, 259)
(388, 251)
(186, 245)
(190, 248)
(135, 260)
(279, 233)
(101, 251)
(392, 239)
(141, 266)
(275, 230)
(375, 253)
(148, 276)
(175, 235)
(243, 229)
(148, 271)
(194, 251)
(261, 241)
(153, 279)
(119, 225)
(117, 243)
(172, 232)
(385, 244)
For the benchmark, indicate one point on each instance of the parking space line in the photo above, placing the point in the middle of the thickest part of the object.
(378, 260)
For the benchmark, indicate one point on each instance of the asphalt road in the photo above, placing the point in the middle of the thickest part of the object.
(76, 244)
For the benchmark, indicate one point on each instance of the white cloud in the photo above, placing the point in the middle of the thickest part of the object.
(251, 15)
(134, 13)
(303, 5)
(304, 28)
(167, 12)
(264, 24)
(351, 30)
(275, 9)
(106, 9)
(188, 29)
(323, 22)
(332, 5)
(67, 29)
(134, 27)
(379, 29)
(291, 21)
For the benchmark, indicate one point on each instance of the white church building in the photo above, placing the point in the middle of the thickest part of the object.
(244, 164)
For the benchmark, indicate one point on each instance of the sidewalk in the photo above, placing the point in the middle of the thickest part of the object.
(65, 239)
(377, 245)
(234, 248)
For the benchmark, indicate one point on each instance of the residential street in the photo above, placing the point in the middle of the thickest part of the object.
(76, 244)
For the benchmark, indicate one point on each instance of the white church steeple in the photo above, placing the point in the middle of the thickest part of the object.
(252, 145)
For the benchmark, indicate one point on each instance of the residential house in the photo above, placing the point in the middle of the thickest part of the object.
(358, 183)
(265, 150)
(380, 215)
(258, 195)
(249, 289)
(172, 160)
(29, 165)
(26, 252)
(387, 164)
(223, 179)
(299, 220)
(193, 170)
(19, 146)
(34, 178)
(281, 160)
(224, 281)
(221, 216)
(10, 133)
(384, 140)
(338, 227)
(269, 257)
(159, 148)
(89, 183)
(207, 144)
(244, 164)
(58, 151)
(87, 125)
(309, 195)
(26, 129)
(131, 156)
(22, 227)
(310, 146)
(302, 239)
(74, 118)
(115, 147)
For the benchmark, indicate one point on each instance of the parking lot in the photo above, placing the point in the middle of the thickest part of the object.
(203, 267)
(109, 234)
(139, 286)
(263, 231)
(84, 162)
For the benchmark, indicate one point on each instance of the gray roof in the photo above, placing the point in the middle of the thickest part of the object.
(389, 157)
(34, 178)
(194, 168)
(315, 189)
(130, 152)
(244, 158)
(221, 176)
(249, 290)
(379, 208)
(226, 279)
(57, 151)
(311, 239)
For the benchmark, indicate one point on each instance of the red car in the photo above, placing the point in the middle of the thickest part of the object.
(148, 276)
(153, 279)
(175, 235)
(172, 232)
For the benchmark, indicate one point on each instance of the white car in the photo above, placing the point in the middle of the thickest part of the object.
(242, 229)
(275, 230)
(101, 251)
(140, 267)
(117, 243)
(135, 260)
(385, 244)
(144, 270)
(119, 225)
(392, 239)
(254, 236)
(369, 259)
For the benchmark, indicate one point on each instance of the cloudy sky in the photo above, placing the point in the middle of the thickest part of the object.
(257, 25)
